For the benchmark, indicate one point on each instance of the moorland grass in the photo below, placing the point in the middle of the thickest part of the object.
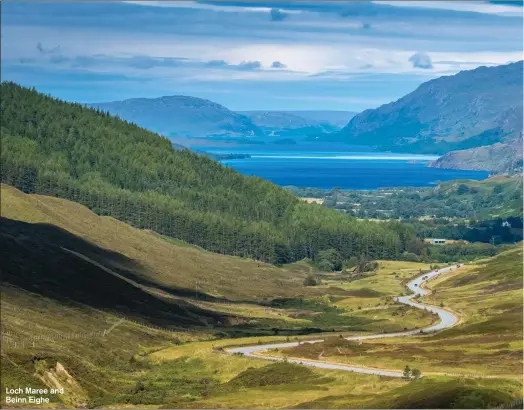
(138, 365)
(486, 342)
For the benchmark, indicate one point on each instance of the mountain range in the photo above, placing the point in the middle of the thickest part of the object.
(184, 116)
(470, 109)
(299, 123)
(474, 117)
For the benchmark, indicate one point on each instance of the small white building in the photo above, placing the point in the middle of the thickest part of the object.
(438, 241)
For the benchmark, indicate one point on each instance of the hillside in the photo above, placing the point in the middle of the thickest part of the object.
(123, 317)
(141, 255)
(96, 297)
(497, 158)
(486, 343)
(496, 197)
(55, 148)
(298, 124)
(182, 116)
(470, 109)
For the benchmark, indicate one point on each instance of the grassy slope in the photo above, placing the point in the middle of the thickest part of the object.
(372, 295)
(487, 342)
(164, 262)
(116, 271)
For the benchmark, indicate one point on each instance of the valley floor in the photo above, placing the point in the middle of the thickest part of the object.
(123, 317)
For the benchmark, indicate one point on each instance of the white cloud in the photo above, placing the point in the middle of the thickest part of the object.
(195, 5)
(471, 6)
(324, 52)
(214, 7)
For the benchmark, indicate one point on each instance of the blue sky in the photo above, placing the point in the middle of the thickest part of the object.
(253, 55)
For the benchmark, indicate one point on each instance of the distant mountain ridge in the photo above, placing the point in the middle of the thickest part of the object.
(470, 109)
(299, 119)
(299, 124)
(182, 116)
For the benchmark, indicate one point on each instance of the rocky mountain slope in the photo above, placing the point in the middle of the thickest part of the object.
(498, 158)
(473, 108)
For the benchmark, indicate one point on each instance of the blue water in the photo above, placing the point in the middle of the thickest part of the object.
(348, 170)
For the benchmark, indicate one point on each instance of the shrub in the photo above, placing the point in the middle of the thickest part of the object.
(410, 257)
(311, 281)
(415, 373)
(139, 386)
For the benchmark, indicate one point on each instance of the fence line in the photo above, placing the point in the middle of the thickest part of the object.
(152, 327)
(12, 340)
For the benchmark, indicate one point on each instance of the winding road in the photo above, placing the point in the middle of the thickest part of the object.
(447, 319)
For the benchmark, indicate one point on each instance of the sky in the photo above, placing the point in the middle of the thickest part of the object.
(256, 55)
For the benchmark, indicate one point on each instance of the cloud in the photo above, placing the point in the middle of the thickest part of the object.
(103, 60)
(224, 42)
(277, 15)
(58, 59)
(25, 60)
(244, 65)
(217, 64)
(277, 64)
(139, 62)
(500, 8)
(421, 60)
(146, 62)
(43, 50)
(249, 65)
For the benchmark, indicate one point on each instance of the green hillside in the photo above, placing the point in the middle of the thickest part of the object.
(492, 198)
(487, 341)
(115, 168)
(124, 317)
(98, 297)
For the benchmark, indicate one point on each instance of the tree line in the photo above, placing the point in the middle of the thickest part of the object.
(116, 168)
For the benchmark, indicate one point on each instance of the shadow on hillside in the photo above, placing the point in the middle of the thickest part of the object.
(33, 259)
(131, 274)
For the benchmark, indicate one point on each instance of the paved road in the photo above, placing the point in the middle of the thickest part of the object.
(447, 319)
